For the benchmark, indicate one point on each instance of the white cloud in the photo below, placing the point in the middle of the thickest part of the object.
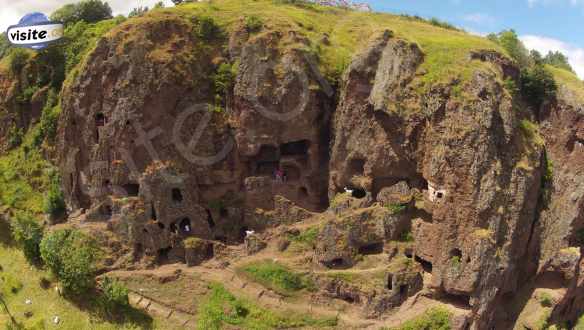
(13, 10)
(479, 18)
(544, 45)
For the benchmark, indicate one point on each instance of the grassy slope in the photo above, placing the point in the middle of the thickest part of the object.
(570, 81)
(446, 51)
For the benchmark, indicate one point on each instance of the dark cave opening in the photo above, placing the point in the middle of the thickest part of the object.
(210, 219)
(426, 265)
(296, 148)
(268, 153)
(375, 248)
(358, 193)
(390, 281)
(177, 196)
(185, 226)
(132, 189)
(160, 225)
(153, 211)
(403, 290)
(267, 168)
(456, 253)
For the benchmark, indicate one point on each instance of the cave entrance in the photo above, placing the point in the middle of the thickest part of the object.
(358, 193)
(99, 122)
(210, 219)
(210, 253)
(177, 196)
(403, 290)
(426, 265)
(375, 248)
(185, 226)
(160, 225)
(153, 211)
(336, 263)
(296, 148)
(390, 281)
(456, 253)
(132, 189)
(163, 255)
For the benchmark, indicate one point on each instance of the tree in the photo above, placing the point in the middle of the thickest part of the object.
(537, 85)
(54, 200)
(71, 256)
(158, 5)
(138, 11)
(558, 60)
(90, 11)
(509, 40)
(93, 11)
(28, 234)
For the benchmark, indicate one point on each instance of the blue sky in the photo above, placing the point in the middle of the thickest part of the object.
(542, 24)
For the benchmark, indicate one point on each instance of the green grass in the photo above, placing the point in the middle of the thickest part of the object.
(20, 281)
(531, 131)
(276, 277)
(221, 307)
(446, 51)
(433, 319)
(569, 80)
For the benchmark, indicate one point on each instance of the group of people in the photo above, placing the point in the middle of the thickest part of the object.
(280, 175)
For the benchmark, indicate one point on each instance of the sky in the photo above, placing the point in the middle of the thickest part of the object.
(543, 25)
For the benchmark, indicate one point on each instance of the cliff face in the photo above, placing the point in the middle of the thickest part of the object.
(174, 128)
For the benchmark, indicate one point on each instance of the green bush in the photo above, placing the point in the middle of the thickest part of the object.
(206, 29)
(396, 208)
(15, 136)
(17, 60)
(223, 81)
(406, 236)
(28, 233)
(114, 295)
(510, 41)
(558, 60)
(546, 300)
(537, 85)
(455, 261)
(307, 237)
(253, 24)
(54, 203)
(71, 256)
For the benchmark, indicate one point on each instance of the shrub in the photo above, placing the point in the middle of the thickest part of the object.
(138, 11)
(253, 24)
(28, 234)
(509, 40)
(114, 295)
(406, 236)
(455, 261)
(396, 208)
(558, 60)
(207, 29)
(15, 136)
(54, 203)
(546, 300)
(223, 81)
(445, 25)
(510, 85)
(71, 256)
(18, 59)
(537, 85)
(307, 237)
